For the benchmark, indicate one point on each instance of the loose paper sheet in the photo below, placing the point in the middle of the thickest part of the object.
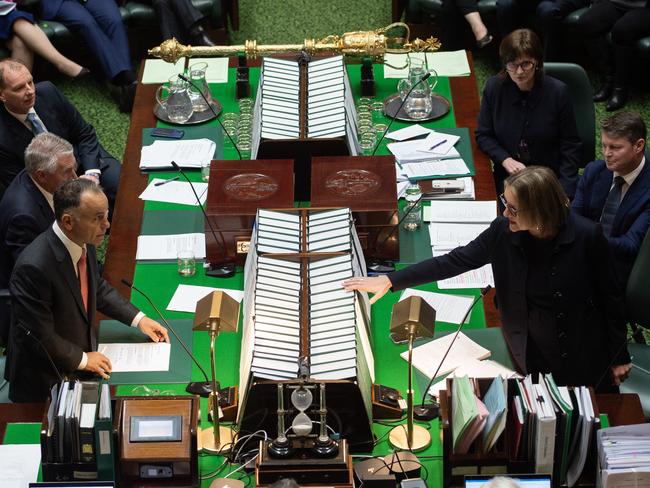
(186, 296)
(449, 308)
(137, 357)
(168, 246)
(159, 71)
(19, 464)
(175, 192)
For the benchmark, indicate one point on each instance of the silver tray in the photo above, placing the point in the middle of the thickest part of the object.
(440, 107)
(197, 117)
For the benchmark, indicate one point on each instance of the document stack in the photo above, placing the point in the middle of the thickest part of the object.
(549, 428)
(299, 322)
(304, 102)
(76, 437)
(624, 456)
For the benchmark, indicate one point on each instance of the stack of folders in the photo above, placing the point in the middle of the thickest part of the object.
(624, 456)
(277, 319)
(326, 98)
(332, 332)
(278, 232)
(473, 418)
(552, 425)
(280, 101)
(329, 231)
(79, 425)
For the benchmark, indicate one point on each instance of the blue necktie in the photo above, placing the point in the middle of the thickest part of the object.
(611, 206)
(37, 127)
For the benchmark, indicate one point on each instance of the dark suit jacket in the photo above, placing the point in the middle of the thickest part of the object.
(46, 300)
(544, 119)
(632, 218)
(24, 214)
(586, 300)
(61, 118)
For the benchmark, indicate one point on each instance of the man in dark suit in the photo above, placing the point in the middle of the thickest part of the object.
(616, 191)
(27, 208)
(31, 109)
(56, 290)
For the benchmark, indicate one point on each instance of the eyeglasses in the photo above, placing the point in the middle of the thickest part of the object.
(524, 65)
(508, 207)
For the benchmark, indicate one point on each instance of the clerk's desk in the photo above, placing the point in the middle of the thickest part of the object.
(160, 280)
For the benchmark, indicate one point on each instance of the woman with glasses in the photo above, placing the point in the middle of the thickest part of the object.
(560, 304)
(526, 117)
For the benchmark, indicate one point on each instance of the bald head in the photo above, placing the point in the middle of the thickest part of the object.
(17, 90)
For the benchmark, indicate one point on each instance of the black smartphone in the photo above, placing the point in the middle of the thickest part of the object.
(169, 133)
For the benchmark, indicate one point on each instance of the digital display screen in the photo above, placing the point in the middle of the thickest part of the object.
(163, 428)
(523, 481)
(156, 428)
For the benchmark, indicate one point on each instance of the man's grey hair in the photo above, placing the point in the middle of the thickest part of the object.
(44, 152)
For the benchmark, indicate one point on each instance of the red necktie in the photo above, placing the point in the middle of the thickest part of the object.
(83, 277)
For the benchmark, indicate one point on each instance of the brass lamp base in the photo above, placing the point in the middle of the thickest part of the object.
(398, 437)
(207, 443)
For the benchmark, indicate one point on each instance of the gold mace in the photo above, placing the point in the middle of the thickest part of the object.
(352, 44)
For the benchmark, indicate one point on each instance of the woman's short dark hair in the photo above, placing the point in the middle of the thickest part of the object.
(541, 200)
(519, 43)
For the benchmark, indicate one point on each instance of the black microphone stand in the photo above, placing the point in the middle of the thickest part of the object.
(202, 388)
(430, 411)
(224, 270)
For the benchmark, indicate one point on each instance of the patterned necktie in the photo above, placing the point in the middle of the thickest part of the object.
(83, 277)
(37, 127)
(611, 205)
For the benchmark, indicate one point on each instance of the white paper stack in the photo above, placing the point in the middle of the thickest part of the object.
(278, 232)
(277, 319)
(329, 231)
(280, 100)
(332, 338)
(187, 153)
(326, 98)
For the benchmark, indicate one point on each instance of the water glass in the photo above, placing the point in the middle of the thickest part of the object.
(186, 263)
(205, 171)
(367, 141)
(199, 87)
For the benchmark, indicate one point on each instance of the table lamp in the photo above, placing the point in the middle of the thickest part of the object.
(412, 319)
(215, 313)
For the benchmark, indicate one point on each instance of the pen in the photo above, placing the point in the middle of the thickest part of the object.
(437, 145)
(159, 183)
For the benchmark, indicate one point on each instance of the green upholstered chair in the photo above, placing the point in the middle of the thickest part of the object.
(583, 106)
(637, 300)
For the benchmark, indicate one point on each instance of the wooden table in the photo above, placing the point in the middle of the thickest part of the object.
(127, 219)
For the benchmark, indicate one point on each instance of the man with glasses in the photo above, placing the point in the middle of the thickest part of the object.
(527, 118)
(616, 191)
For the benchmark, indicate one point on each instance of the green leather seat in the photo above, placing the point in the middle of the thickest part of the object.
(583, 106)
(637, 300)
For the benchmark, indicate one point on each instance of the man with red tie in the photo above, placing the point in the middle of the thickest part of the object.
(56, 290)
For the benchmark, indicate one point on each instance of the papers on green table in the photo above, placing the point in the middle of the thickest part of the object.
(19, 464)
(464, 349)
(187, 153)
(449, 308)
(186, 296)
(167, 247)
(137, 357)
(447, 63)
(469, 414)
(474, 368)
(175, 192)
(159, 71)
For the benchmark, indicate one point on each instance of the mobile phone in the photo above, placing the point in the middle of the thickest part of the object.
(170, 133)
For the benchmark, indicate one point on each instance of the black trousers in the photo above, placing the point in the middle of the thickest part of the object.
(626, 27)
(465, 6)
(176, 17)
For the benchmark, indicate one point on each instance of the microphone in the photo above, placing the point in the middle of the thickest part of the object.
(379, 267)
(186, 79)
(225, 270)
(431, 411)
(202, 388)
(29, 333)
(425, 76)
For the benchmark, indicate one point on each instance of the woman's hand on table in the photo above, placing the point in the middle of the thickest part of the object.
(620, 372)
(378, 285)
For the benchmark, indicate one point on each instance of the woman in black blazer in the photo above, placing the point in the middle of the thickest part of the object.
(527, 118)
(560, 304)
